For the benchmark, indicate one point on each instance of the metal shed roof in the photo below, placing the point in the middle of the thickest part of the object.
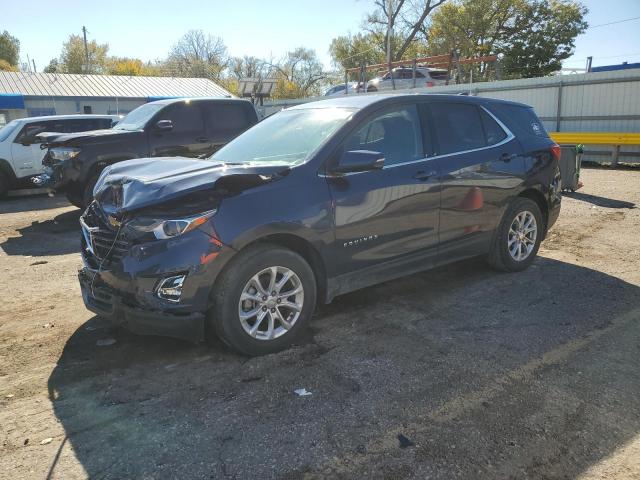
(71, 85)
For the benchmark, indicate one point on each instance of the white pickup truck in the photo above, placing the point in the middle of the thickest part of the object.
(20, 152)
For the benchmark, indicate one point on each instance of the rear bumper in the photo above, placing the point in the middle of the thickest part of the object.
(106, 302)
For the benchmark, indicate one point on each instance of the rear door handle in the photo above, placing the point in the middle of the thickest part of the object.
(423, 175)
(507, 157)
(202, 139)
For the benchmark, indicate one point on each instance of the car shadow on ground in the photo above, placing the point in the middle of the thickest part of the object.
(32, 203)
(59, 236)
(486, 375)
(600, 201)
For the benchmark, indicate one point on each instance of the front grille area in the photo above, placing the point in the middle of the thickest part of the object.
(107, 244)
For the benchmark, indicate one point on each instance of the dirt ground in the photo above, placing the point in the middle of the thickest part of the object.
(459, 372)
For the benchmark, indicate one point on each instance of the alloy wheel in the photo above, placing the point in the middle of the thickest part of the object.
(523, 233)
(270, 303)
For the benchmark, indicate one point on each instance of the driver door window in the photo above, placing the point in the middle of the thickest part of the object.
(396, 133)
(186, 118)
(187, 138)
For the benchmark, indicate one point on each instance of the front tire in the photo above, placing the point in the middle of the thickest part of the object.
(74, 196)
(517, 239)
(263, 300)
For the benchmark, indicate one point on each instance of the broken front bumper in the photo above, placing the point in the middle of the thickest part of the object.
(106, 302)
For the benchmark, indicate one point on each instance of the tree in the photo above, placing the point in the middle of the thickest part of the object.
(6, 66)
(124, 66)
(53, 66)
(198, 55)
(299, 74)
(73, 60)
(533, 35)
(408, 20)
(352, 50)
(541, 37)
(9, 49)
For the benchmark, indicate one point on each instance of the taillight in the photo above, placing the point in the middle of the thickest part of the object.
(555, 151)
(431, 84)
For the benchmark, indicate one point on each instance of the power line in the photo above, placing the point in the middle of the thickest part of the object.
(613, 23)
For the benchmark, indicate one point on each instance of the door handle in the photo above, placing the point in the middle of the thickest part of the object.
(423, 175)
(507, 157)
(202, 139)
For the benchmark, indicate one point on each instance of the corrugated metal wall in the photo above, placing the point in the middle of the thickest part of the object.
(590, 102)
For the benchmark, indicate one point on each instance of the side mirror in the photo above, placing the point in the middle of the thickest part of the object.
(359, 161)
(164, 126)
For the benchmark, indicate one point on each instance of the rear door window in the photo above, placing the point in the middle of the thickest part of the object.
(457, 127)
(226, 119)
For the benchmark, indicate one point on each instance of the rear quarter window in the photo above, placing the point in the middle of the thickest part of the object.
(521, 120)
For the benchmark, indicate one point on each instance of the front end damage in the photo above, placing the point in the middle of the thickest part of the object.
(150, 248)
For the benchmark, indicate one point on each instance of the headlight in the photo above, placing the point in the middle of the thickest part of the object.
(169, 228)
(63, 153)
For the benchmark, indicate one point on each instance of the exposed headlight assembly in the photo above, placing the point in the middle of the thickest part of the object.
(63, 153)
(169, 228)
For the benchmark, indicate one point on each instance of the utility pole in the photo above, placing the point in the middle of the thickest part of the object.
(34, 65)
(86, 49)
(389, 34)
(589, 61)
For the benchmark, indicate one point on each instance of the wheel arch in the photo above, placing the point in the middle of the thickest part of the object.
(7, 169)
(538, 197)
(296, 243)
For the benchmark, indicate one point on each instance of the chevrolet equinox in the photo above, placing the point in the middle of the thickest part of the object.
(313, 202)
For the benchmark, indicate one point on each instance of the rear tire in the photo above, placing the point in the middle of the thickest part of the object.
(256, 315)
(517, 238)
(4, 185)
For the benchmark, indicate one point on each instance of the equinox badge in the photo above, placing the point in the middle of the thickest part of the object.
(358, 241)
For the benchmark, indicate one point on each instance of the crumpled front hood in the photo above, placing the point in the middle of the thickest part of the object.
(136, 184)
(111, 134)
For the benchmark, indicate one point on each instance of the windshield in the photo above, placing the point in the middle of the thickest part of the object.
(138, 118)
(7, 129)
(290, 137)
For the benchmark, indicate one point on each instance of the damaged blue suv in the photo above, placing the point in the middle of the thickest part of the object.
(313, 202)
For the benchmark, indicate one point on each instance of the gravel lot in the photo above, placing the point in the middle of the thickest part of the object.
(459, 372)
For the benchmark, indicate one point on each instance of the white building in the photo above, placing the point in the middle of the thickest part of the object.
(24, 94)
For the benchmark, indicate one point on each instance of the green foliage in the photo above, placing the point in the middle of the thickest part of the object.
(533, 35)
(6, 66)
(9, 49)
(73, 60)
(352, 50)
(541, 37)
(53, 66)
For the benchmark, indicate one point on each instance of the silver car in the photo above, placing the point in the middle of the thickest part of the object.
(403, 79)
(339, 89)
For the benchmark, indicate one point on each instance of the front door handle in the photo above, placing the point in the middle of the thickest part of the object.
(202, 140)
(424, 175)
(507, 157)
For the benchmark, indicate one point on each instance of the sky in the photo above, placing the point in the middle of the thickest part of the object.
(147, 29)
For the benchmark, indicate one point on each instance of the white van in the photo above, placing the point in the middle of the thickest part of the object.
(20, 152)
